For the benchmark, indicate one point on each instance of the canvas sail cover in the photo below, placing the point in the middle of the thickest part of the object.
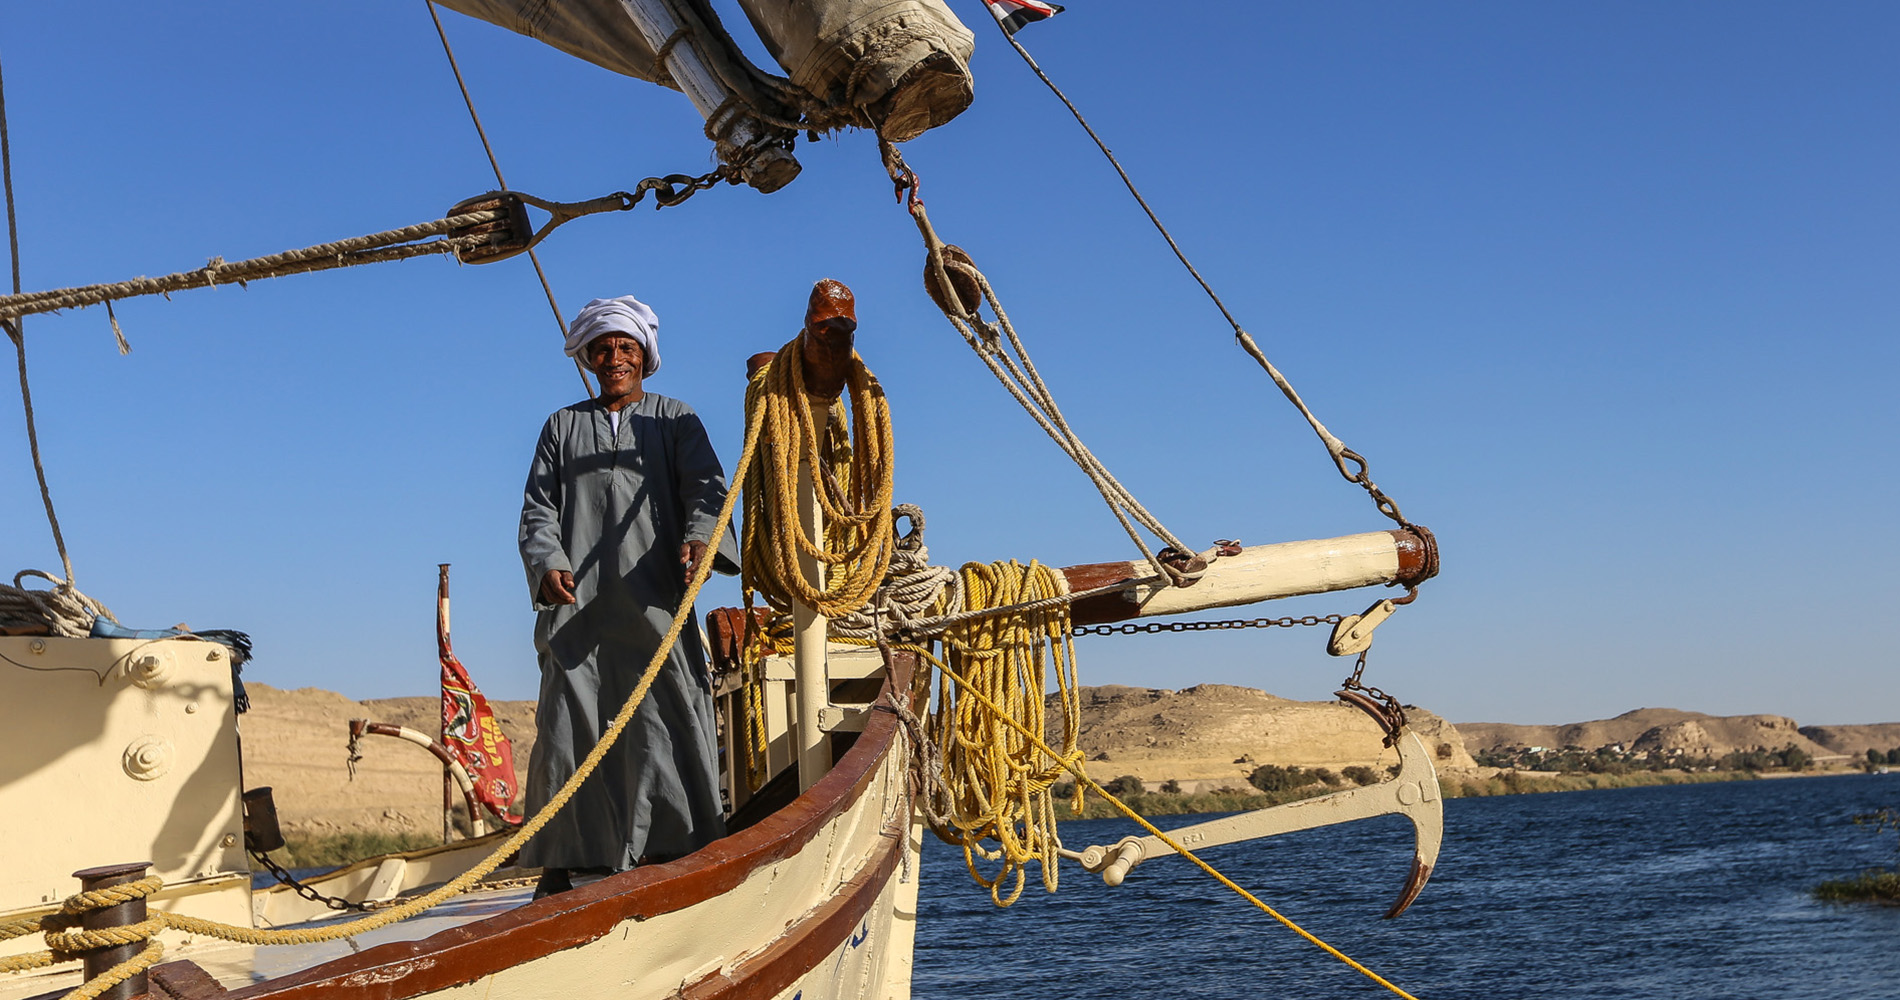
(598, 31)
(901, 65)
(905, 63)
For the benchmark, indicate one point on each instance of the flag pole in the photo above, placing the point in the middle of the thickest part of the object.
(442, 726)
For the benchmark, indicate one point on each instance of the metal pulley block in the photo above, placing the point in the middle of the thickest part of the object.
(1353, 634)
(505, 237)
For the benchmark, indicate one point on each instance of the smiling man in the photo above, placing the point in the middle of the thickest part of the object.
(619, 509)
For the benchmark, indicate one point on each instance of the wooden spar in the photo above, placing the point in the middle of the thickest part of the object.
(1405, 557)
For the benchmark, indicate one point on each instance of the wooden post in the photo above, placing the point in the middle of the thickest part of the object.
(808, 637)
(123, 915)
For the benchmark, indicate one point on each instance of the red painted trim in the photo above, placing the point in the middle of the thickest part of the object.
(467, 953)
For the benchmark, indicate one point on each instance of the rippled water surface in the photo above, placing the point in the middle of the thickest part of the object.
(1672, 892)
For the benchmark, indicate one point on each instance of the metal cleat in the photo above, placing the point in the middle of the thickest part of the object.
(1413, 793)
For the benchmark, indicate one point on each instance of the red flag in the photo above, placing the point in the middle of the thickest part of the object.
(470, 732)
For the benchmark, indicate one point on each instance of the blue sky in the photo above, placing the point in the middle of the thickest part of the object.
(1607, 293)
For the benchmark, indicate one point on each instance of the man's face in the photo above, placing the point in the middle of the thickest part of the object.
(617, 360)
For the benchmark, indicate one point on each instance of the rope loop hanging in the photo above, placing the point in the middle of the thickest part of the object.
(851, 474)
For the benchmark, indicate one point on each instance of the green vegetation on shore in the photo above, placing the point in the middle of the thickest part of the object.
(1875, 885)
(334, 849)
(1616, 760)
(1878, 885)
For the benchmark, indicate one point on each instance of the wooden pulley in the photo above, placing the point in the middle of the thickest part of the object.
(506, 237)
(962, 272)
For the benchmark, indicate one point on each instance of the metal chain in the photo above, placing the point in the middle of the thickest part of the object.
(669, 192)
(305, 891)
(1356, 682)
(1135, 628)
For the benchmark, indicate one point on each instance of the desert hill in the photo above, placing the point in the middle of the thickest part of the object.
(1213, 735)
(1206, 737)
(1669, 730)
(1855, 741)
(295, 742)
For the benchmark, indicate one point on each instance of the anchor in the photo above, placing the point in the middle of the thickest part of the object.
(1413, 793)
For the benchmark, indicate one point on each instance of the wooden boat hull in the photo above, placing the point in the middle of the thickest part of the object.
(816, 900)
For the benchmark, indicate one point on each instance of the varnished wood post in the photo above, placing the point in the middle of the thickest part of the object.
(99, 962)
(809, 630)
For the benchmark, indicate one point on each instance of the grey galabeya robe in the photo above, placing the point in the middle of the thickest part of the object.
(614, 509)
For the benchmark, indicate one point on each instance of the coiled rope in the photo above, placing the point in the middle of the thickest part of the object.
(851, 476)
(910, 590)
(66, 940)
(994, 785)
(971, 688)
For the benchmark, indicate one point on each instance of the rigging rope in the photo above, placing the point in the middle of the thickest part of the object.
(393, 244)
(910, 589)
(1002, 351)
(501, 183)
(1341, 454)
(64, 610)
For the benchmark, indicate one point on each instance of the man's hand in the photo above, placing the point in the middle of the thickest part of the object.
(691, 555)
(558, 587)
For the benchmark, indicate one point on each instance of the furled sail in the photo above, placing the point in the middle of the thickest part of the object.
(904, 63)
(901, 67)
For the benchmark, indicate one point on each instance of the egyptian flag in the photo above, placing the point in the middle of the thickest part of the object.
(470, 732)
(1013, 14)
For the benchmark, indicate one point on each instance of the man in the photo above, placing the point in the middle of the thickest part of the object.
(618, 512)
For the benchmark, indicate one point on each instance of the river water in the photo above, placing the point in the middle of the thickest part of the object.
(1671, 892)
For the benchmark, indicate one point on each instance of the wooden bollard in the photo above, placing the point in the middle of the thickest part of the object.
(123, 915)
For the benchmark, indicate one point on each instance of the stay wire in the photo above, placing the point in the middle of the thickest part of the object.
(1336, 448)
(16, 330)
(547, 288)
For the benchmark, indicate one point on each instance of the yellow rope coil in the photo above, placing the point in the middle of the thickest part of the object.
(968, 687)
(997, 785)
(852, 477)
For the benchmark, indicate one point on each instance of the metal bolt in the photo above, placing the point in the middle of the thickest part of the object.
(216, 652)
(191, 708)
(37, 645)
(230, 840)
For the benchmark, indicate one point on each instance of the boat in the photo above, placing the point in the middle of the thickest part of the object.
(124, 749)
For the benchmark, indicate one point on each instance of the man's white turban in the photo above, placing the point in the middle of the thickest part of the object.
(625, 314)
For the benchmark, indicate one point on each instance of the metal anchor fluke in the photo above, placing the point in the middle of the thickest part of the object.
(1413, 793)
